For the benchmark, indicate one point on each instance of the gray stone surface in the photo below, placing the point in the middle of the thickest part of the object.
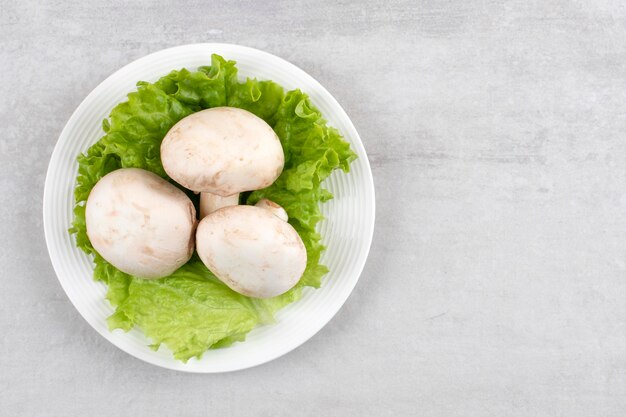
(496, 282)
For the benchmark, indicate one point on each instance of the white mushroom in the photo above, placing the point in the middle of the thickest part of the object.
(276, 209)
(251, 250)
(140, 223)
(222, 151)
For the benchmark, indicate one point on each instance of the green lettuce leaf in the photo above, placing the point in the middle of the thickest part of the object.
(191, 311)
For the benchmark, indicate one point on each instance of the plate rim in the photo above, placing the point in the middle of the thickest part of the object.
(65, 132)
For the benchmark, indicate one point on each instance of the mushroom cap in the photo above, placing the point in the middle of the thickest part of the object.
(251, 250)
(223, 150)
(140, 223)
(274, 208)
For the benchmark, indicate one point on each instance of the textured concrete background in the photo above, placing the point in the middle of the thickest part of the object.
(496, 282)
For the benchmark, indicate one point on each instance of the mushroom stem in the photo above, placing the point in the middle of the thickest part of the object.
(273, 208)
(211, 202)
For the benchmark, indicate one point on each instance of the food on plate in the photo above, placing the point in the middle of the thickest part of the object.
(222, 152)
(140, 223)
(191, 310)
(251, 250)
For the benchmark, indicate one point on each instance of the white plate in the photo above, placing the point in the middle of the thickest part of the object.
(347, 230)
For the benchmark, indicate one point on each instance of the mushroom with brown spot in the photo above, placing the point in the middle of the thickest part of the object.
(221, 152)
(276, 209)
(251, 250)
(140, 223)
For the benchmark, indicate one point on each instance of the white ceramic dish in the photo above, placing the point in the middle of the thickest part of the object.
(347, 230)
